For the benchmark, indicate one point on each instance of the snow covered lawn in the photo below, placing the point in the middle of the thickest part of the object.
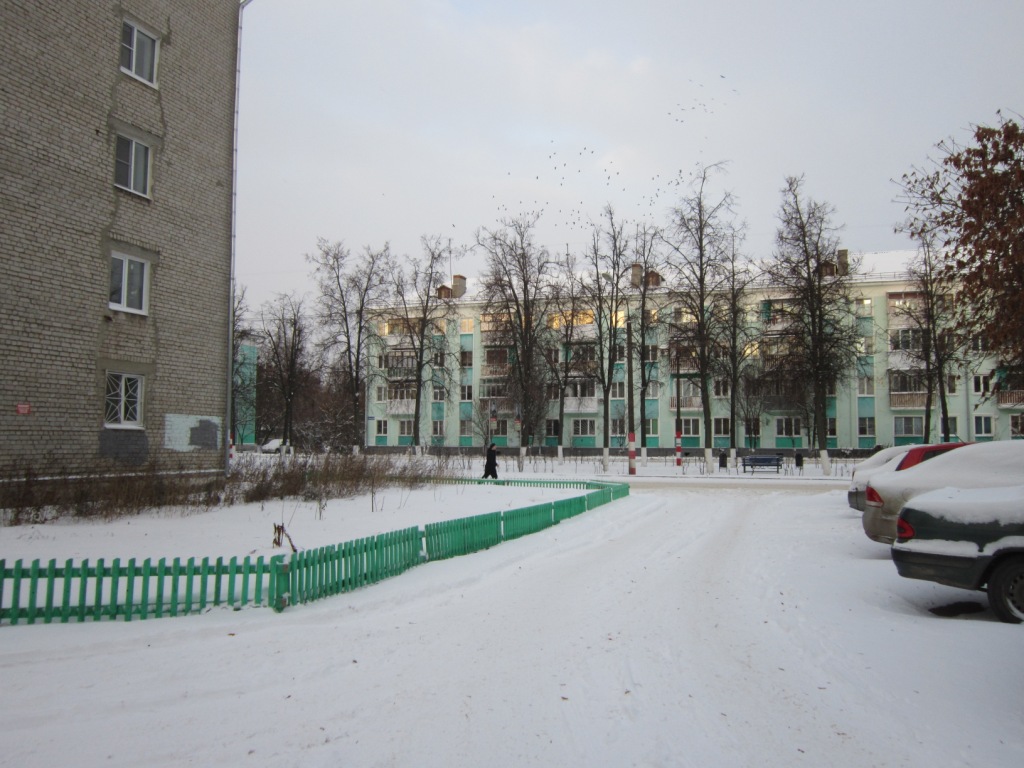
(693, 624)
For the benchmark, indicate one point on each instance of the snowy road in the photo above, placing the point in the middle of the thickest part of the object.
(683, 626)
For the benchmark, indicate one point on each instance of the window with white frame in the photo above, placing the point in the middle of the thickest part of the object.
(981, 384)
(830, 426)
(752, 427)
(129, 283)
(906, 339)
(551, 428)
(131, 166)
(382, 427)
(618, 427)
(466, 325)
(721, 388)
(866, 426)
(862, 307)
(691, 427)
(721, 427)
(653, 390)
(983, 426)
(405, 427)
(651, 426)
(583, 427)
(466, 392)
(465, 428)
(951, 423)
(908, 426)
(123, 404)
(437, 428)
(582, 388)
(466, 358)
(951, 384)
(440, 393)
(906, 381)
(618, 390)
(649, 353)
(139, 51)
(500, 427)
(787, 426)
(1016, 425)
(554, 391)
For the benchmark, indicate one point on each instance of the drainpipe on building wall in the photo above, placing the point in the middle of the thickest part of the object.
(228, 426)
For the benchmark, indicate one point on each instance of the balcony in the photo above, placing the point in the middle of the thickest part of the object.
(400, 407)
(494, 370)
(907, 400)
(581, 405)
(693, 403)
(1011, 398)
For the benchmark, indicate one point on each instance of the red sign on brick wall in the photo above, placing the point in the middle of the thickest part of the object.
(23, 409)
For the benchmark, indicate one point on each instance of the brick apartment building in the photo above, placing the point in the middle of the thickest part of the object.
(116, 183)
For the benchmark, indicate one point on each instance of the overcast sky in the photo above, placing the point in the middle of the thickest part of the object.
(373, 121)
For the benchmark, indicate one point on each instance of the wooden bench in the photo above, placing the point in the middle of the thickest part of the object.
(762, 462)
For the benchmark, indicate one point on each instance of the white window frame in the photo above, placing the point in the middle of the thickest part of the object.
(651, 427)
(123, 401)
(120, 302)
(465, 427)
(465, 393)
(552, 428)
(1016, 425)
(440, 393)
(382, 427)
(134, 148)
(131, 34)
(866, 426)
(690, 427)
(584, 427)
(437, 428)
(788, 426)
(982, 382)
(500, 427)
(618, 427)
(899, 426)
(617, 391)
(721, 426)
(405, 428)
(983, 426)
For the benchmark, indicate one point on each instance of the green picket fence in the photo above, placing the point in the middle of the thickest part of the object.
(82, 591)
(452, 538)
(318, 573)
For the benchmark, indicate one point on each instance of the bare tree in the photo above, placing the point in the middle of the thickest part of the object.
(243, 380)
(419, 317)
(646, 318)
(517, 296)
(286, 358)
(700, 240)
(737, 334)
(820, 339)
(351, 289)
(565, 322)
(926, 336)
(606, 296)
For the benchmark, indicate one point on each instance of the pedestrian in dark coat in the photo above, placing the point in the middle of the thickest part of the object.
(491, 464)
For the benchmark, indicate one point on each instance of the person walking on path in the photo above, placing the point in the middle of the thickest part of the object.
(491, 464)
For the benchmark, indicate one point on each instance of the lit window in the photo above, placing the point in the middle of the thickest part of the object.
(138, 52)
(131, 168)
(129, 283)
(123, 400)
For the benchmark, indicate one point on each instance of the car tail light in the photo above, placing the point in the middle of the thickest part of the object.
(904, 530)
(871, 497)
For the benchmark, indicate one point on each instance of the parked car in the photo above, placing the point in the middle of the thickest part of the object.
(893, 459)
(967, 538)
(272, 446)
(973, 465)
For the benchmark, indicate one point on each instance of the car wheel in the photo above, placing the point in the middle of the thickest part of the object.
(1006, 590)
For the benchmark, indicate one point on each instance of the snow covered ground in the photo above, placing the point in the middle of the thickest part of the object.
(703, 621)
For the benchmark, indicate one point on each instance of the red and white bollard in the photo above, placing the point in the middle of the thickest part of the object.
(632, 453)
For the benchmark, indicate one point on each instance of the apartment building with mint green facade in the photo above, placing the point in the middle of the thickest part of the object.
(881, 403)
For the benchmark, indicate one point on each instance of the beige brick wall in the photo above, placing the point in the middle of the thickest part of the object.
(63, 97)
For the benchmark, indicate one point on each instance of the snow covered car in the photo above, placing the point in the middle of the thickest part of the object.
(970, 539)
(894, 459)
(974, 465)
